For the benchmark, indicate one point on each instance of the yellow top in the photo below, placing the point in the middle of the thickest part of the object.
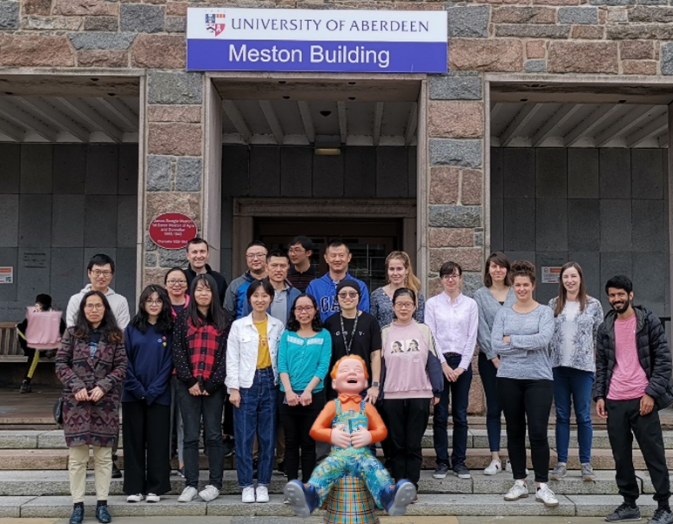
(263, 354)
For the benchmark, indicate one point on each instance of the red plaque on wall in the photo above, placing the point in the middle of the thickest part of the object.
(172, 230)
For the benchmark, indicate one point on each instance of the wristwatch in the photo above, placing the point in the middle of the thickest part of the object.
(375, 384)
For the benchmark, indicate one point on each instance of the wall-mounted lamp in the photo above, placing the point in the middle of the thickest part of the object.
(327, 145)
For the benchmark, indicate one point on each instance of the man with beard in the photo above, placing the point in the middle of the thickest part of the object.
(633, 382)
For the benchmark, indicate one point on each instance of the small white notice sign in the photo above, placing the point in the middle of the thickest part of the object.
(7, 275)
(551, 274)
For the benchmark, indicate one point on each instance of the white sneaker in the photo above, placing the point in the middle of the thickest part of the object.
(248, 495)
(262, 494)
(135, 498)
(153, 497)
(546, 496)
(518, 491)
(209, 493)
(494, 467)
(187, 494)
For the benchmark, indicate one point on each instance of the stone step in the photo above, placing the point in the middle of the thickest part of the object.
(476, 438)
(230, 505)
(55, 483)
(477, 459)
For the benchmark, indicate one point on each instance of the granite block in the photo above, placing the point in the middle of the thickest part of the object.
(69, 169)
(68, 221)
(36, 168)
(583, 172)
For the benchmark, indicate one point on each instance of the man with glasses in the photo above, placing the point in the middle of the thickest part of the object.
(277, 265)
(337, 256)
(302, 272)
(198, 254)
(100, 270)
(255, 259)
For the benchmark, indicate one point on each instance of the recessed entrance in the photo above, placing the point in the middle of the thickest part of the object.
(329, 158)
(68, 183)
(580, 172)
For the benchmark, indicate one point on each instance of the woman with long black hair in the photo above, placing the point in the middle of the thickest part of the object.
(199, 351)
(91, 364)
(146, 399)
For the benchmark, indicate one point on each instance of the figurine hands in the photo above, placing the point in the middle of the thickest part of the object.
(361, 438)
(340, 437)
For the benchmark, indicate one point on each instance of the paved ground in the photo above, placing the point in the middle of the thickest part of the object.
(287, 520)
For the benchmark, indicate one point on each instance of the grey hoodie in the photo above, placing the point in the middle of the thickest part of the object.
(119, 305)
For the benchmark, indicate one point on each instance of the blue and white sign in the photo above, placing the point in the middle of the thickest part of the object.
(222, 39)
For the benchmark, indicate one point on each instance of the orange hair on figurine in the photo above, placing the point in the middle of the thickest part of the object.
(335, 369)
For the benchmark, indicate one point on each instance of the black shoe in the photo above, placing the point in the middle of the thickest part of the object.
(441, 471)
(229, 445)
(461, 471)
(662, 516)
(624, 513)
(103, 515)
(254, 469)
(281, 468)
(77, 515)
(116, 473)
(25, 387)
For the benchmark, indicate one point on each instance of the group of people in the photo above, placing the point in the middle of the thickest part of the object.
(256, 354)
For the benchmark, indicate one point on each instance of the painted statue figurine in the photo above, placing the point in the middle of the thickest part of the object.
(350, 424)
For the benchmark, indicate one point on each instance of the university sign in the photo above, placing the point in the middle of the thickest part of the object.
(222, 39)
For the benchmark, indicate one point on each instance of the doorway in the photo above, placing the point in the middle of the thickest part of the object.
(335, 154)
(369, 241)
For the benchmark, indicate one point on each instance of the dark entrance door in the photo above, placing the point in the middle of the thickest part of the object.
(370, 241)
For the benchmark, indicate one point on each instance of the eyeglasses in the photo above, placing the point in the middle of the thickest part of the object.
(451, 277)
(174, 282)
(296, 250)
(99, 273)
(348, 294)
(252, 256)
(157, 302)
(304, 309)
(405, 305)
(91, 307)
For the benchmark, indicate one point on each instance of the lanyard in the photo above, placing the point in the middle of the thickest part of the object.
(348, 344)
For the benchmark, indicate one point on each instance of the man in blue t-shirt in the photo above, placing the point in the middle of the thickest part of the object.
(337, 255)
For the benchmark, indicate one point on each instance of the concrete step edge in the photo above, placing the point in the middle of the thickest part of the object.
(482, 505)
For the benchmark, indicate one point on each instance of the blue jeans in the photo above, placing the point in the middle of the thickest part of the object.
(578, 384)
(488, 372)
(460, 391)
(256, 416)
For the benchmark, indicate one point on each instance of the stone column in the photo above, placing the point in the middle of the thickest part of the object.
(455, 217)
(173, 160)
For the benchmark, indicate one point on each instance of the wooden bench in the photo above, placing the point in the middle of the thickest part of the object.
(10, 351)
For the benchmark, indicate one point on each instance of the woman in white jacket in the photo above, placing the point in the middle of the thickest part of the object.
(252, 359)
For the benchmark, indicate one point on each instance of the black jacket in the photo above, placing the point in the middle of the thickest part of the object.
(219, 280)
(653, 354)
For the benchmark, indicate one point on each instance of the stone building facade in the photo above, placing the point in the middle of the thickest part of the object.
(598, 47)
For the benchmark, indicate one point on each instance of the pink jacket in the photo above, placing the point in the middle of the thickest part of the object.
(43, 330)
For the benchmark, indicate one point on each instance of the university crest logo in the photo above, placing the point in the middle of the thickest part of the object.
(215, 23)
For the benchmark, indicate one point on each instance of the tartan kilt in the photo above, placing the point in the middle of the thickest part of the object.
(349, 502)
